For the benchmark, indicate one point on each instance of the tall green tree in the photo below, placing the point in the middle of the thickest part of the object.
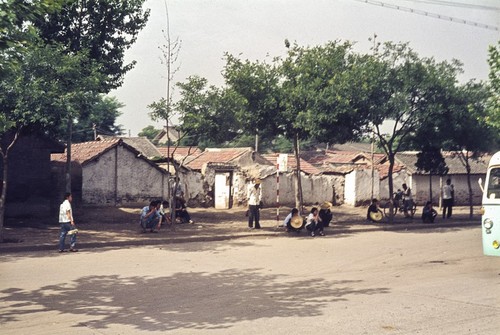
(467, 132)
(104, 28)
(17, 37)
(411, 91)
(310, 94)
(493, 116)
(40, 93)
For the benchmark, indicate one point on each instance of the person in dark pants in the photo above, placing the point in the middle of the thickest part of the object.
(181, 211)
(448, 193)
(428, 213)
(325, 213)
(67, 224)
(314, 223)
(254, 197)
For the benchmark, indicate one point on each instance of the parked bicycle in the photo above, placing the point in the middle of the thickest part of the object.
(398, 206)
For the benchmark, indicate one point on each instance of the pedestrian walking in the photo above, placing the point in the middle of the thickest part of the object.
(67, 223)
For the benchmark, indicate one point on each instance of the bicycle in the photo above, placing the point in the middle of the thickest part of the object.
(398, 207)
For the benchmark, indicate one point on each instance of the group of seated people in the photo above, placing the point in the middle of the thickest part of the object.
(314, 223)
(157, 214)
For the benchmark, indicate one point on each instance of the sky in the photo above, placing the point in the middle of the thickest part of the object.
(256, 30)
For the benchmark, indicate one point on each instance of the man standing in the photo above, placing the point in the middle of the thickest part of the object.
(407, 202)
(67, 224)
(447, 194)
(254, 197)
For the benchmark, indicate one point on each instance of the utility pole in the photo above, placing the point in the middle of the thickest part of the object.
(372, 146)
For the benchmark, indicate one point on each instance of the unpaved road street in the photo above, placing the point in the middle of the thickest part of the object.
(414, 282)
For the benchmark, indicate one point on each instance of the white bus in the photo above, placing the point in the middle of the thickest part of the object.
(490, 221)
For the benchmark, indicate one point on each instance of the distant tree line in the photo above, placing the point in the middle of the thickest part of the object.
(331, 94)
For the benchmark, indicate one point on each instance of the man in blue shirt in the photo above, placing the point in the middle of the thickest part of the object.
(151, 217)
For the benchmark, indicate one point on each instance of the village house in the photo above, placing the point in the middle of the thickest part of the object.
(32, 189)
(112, 172)
(219, 176)
(316, 187)
(421, 185)
(167, 133)
(360, 180)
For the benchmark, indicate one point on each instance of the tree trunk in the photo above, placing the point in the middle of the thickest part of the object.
(469, 184)
(69, 129)
(430, 187)
(391, 189)
(298, 183)
(3, 196)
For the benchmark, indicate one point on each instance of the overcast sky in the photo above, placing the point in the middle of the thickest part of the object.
(256, 30)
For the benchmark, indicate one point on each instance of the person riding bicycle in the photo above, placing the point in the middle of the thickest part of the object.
(407, 201)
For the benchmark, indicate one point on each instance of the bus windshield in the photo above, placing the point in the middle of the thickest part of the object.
(493, 187)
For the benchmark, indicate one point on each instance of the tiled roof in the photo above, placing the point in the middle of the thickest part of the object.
(87, 151)
(340, 157)
(353, 147)
(173, 134)
(292, 163)
(180, 153)
(383, 169)
(143, 145)
(453, 161)
(216, 155)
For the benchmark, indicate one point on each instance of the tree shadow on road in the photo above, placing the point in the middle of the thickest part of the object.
(195, 300)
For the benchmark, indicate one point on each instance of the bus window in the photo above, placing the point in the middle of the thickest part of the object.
(493, 191)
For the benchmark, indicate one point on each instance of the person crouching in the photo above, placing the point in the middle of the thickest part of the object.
(151, 217)
(428, 213)
(314, 223)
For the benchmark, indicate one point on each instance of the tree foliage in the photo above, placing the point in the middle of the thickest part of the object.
(98, 118)
(493, 116)
(105, 29)
(150, 132)
(411, 90)
(207, 114)
(55, 58)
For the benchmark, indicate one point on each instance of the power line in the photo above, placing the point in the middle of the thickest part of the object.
(429, 14)
(457, 4)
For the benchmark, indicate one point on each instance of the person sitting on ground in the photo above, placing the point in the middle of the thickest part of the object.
(151, 217)
(181, 211)
(314, 223)
(428, 213)
(325, 213)
(165, 215)
(288, 220)
(374, 213)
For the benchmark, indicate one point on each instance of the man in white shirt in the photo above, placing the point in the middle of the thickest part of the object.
(254, 198)
(67, 224)
(447, 199)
